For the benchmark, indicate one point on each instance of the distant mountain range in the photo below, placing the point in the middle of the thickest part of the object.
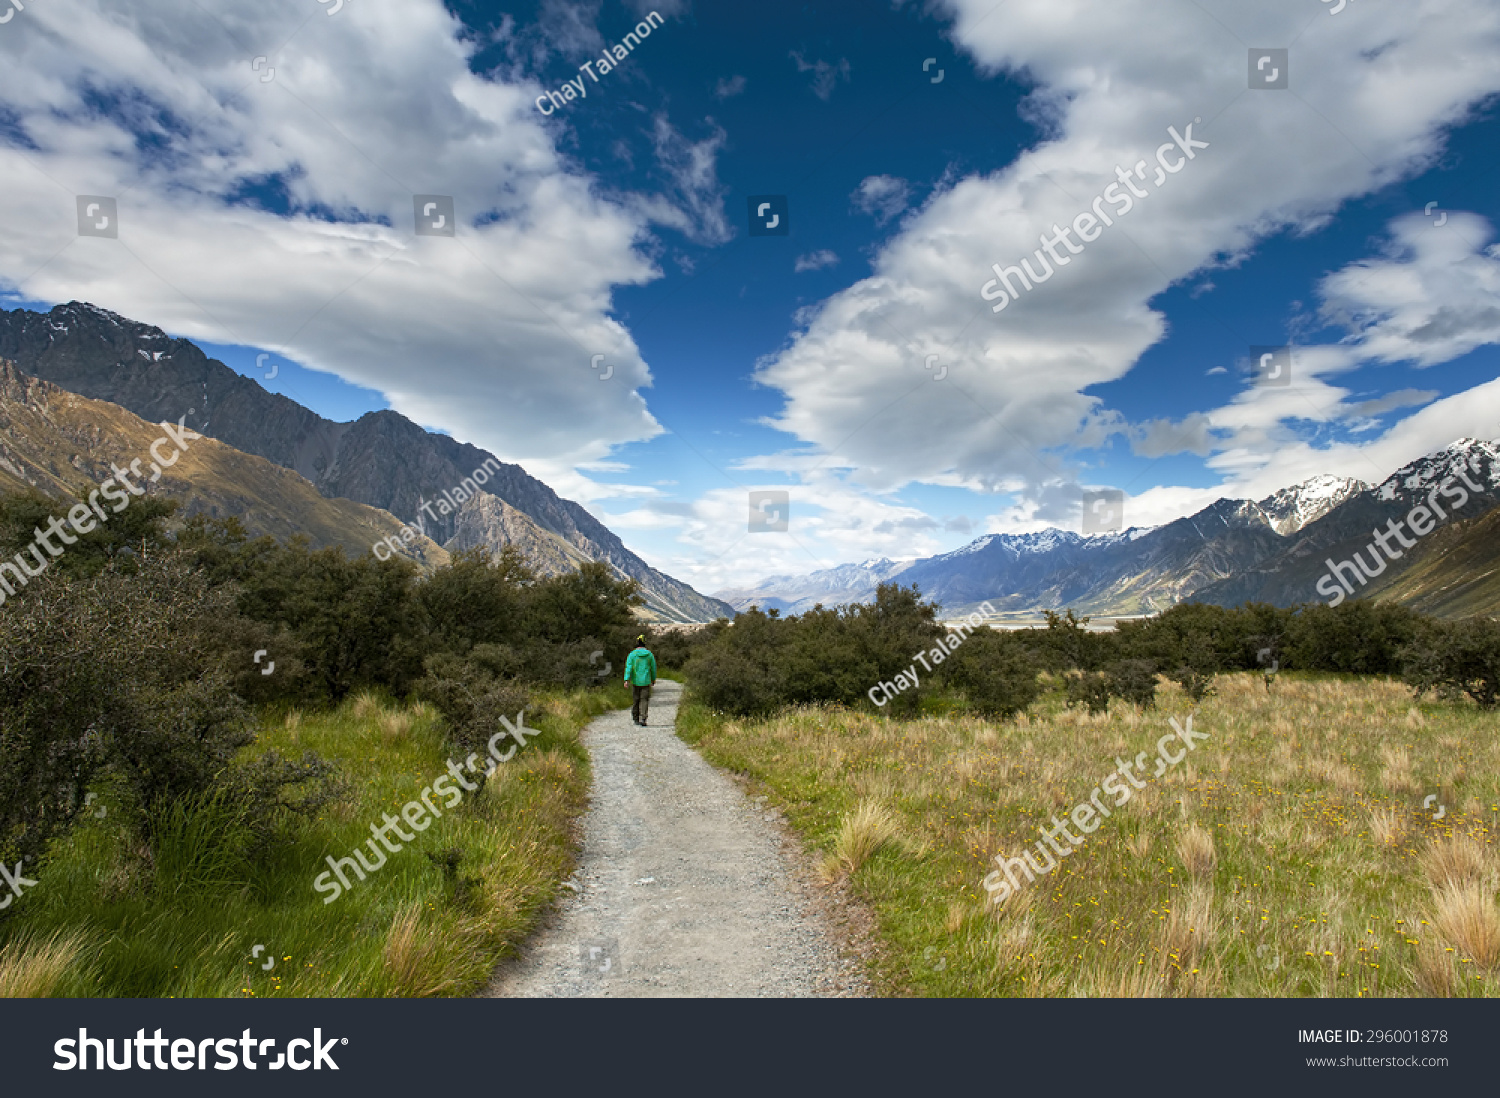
(382, 460)
(830, 587)
(1232, 551)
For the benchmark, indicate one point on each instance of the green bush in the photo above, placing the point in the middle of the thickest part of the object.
(995, 673)
(1358, 637)
(763, 662)
(1087, 688)
(1456, 658)
(122, 675)
(1133, 681)
(731, 682)
(471, 700)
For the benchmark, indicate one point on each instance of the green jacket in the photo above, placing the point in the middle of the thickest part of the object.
(640, 668)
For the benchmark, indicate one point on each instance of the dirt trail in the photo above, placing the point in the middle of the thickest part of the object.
(684, 887)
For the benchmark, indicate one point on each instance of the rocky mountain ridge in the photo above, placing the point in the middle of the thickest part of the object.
(382, 459)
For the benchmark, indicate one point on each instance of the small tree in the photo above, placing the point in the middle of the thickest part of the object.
(1089, 688)
(996, 674)
(1133, 681)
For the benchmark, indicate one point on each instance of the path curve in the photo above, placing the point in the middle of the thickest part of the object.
(685, 886)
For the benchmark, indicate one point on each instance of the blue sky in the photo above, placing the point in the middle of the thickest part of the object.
(274, 216)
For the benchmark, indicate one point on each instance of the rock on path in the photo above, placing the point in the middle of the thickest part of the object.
(684, 887)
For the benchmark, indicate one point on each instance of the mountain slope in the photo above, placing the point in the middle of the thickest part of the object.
(1291, 576)
(1290, 509)
(64, 444)
(1136, 571)
(383, 459)
(1458, 576)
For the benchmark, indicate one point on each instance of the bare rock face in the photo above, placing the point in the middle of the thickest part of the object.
(382, 459)
(487, 521)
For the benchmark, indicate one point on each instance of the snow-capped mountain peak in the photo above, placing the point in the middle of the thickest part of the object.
(1477, 460)
(1290, 509)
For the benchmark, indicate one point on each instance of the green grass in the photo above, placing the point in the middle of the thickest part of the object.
(1289, 855)
(188, 924)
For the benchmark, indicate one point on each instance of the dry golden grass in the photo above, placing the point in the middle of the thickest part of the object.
(1290, 854)
(366, 705)
(864, 831)
(1467, 918)
(34, 969)
(394, 726)
(1455, 861)
(1196, 849)
(409, 957)
(1435, 973)
(1387, 826)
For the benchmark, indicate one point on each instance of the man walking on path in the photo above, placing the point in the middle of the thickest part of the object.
(640, 676)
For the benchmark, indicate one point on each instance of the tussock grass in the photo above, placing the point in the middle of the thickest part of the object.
(1196, 849)
(1455, 861)
(187, 925)
(862, 833)
(1466, 916)
(1288, 855)
(366, 704)
(38, 968)
(393, 726)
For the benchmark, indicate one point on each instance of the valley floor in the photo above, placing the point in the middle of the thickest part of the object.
(1329, 838)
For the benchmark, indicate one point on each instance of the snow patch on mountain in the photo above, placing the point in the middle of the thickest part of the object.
(1477, 459)
(1290, 509)
(793, 594)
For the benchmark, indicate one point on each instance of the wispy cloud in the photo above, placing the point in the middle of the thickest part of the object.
(815, 261)
(729, 86)
(882, 197)
(825, 74)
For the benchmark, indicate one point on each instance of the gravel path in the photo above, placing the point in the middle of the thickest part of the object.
(685, 887)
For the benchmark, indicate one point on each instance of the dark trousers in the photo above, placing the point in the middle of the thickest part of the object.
(640, 701)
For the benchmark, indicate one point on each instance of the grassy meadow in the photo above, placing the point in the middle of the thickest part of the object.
(1288, 855)
(434, 920)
